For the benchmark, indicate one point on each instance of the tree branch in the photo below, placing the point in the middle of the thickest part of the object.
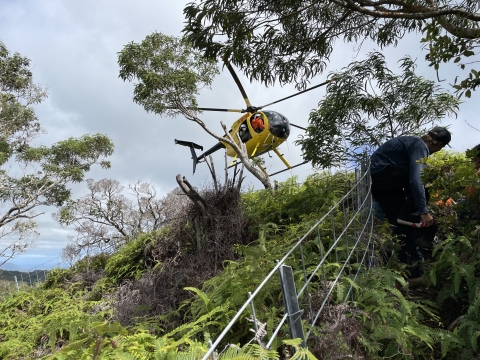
(414, 15)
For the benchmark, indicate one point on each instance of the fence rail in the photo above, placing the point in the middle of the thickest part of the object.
(347, 229)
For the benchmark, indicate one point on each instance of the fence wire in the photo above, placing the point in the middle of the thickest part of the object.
(343, 238)
(344, 247)
(26, 279)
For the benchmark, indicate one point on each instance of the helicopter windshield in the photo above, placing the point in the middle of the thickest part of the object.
(279, 124)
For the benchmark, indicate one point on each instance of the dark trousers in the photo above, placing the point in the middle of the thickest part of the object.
(391, 189)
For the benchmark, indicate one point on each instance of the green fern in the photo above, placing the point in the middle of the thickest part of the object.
(300, 353)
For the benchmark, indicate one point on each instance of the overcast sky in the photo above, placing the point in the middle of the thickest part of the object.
(73, 47)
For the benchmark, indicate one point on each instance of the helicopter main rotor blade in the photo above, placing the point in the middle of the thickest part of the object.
(294, 166)
(237, 81)
(301, 92)
(210, 109)
(298, 126)
(216, 109)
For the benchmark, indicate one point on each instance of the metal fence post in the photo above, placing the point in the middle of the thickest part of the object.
(212, 356)
(292, 307)
(254, 316)
(310, 311)
(357, 187)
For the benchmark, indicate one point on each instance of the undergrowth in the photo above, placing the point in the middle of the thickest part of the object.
(165, 294)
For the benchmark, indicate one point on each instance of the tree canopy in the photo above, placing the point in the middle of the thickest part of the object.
(368, 104)
(41, 173)
(169, 71)
(292, 40)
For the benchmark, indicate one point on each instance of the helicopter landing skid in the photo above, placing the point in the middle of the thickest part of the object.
(275, 173)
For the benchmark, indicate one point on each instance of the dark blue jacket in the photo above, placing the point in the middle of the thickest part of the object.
(404, 150)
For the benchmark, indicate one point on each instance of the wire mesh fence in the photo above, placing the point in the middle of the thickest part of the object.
(21, 280)
(322, 264)
(327, 259)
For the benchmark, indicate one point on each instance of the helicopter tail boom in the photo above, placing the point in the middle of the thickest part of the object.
(211, 150)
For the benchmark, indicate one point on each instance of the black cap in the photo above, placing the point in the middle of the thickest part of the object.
(439, 133)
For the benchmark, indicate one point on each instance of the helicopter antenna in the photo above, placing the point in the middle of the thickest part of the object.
(301, 92)
(237, 81)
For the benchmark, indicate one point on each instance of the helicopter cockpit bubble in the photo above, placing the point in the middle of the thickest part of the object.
(279, 124)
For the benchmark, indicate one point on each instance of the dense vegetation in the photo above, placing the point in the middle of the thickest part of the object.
(158, 298)
(292, 41)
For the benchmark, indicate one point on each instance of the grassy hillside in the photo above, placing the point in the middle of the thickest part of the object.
(165, 294)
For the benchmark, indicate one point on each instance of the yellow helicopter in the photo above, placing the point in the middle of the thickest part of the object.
(260, 130)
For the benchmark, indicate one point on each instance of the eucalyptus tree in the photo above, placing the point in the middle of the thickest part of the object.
(31, 176)
(169, 75)
(292, 40)
(368, 104)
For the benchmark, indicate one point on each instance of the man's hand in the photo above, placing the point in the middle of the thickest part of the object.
(427, 219)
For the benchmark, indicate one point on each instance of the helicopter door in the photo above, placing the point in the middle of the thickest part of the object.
(244, 132)
(257, 122)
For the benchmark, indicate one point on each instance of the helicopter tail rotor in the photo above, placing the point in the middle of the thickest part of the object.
(192, 147)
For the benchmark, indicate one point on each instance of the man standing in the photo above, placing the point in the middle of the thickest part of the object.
(398, 188)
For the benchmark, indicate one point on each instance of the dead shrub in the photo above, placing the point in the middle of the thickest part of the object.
(338, 334)
(192, 252)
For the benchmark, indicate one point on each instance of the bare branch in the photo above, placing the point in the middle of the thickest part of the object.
(473, 127)
(105, 214)
(211, 167)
